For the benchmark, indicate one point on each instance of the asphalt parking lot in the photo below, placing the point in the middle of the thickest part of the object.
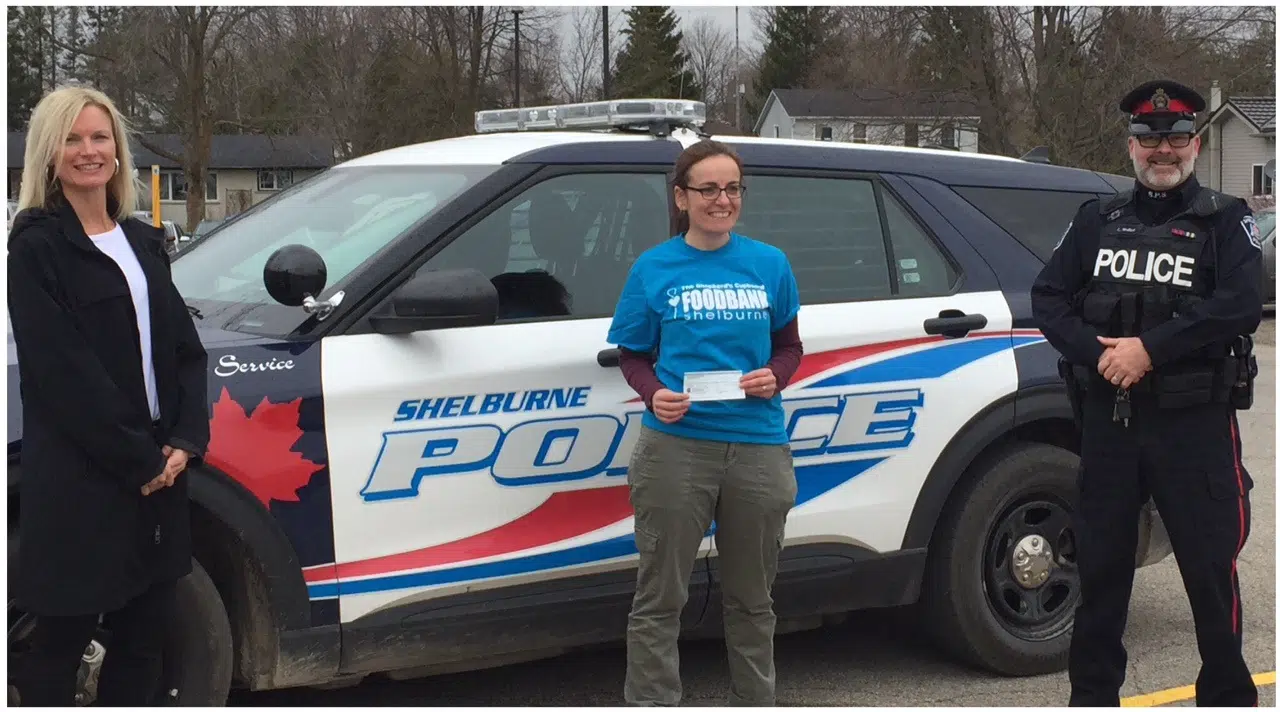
(870, 661)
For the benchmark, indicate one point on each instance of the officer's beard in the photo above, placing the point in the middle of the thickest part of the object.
(1163, 180)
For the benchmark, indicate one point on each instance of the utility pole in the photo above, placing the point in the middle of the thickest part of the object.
(604, 76)
(737, 75)
(517, 14)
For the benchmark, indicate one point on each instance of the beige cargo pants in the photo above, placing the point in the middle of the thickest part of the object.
(678, 486)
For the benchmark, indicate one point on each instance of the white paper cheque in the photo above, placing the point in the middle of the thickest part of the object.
(713, 385)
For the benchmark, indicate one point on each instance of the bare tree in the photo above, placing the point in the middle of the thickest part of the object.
(189, 46)
(710, 52)
(581, 57)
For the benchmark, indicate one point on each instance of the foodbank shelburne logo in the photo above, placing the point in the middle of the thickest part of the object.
(729, 301)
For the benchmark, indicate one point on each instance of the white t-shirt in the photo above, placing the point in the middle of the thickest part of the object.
(116, 246)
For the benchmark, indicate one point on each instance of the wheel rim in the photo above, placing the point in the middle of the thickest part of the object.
(1030, 577)
(21, 627)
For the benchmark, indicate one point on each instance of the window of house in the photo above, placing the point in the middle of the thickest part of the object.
(274, 180)
(775, 131)
(173, 185)
(1035, 218)
(860, 133)
(564, 246)
(1263, 184)
(834, 238)
(948, 136)
(911, 135)
(824, 133)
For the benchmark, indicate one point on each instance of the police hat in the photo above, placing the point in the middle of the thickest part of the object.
(1162, 107)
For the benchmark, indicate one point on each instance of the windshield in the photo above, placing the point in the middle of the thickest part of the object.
(346, 214)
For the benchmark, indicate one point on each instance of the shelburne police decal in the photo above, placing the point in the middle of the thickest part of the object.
(1251, 231)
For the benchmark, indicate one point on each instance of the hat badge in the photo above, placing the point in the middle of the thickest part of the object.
(1160, 100)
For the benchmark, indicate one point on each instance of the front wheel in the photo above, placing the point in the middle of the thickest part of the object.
(1002, 585)
(197, 655)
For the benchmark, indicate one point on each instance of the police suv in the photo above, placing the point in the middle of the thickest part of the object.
(420, 436)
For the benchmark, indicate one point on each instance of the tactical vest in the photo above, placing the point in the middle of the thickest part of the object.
(1143, 276)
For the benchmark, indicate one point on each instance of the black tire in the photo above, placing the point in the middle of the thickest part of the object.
(198, 654)
(973, 603)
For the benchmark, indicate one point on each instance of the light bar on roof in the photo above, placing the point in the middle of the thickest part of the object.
(594, 115)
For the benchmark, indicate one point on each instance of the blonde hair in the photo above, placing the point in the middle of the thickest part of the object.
(51, 123)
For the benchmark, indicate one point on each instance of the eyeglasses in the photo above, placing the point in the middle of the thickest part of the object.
(1178, 140)
(712, 192)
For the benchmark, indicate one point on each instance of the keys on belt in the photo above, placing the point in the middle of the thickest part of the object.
(1123, 409)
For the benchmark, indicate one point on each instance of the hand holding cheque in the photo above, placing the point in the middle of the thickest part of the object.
(670, 406)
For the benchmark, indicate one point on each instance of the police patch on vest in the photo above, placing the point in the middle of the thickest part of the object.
(1251, 231)
(1144, 266)
(1129, 230)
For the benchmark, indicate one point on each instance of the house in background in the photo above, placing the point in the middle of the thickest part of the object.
(917, 118)
(1238, 145)
(243, 170)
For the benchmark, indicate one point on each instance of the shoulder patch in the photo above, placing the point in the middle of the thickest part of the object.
(1251, 231)
(1064, 236)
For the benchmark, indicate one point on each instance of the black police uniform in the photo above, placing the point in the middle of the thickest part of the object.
(1179, 269)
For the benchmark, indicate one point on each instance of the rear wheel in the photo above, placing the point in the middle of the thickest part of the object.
(197, 656)
(1002, 586)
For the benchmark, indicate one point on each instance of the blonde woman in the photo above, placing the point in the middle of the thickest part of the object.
(114, 407)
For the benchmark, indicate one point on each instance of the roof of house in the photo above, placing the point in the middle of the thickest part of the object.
(1258, 111)
(248, 152)
(871, 103)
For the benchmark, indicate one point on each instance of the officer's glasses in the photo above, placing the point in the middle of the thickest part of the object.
(1178, 140)
(712, 192)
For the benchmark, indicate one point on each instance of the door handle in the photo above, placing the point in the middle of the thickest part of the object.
(608, 358)
(953, 323)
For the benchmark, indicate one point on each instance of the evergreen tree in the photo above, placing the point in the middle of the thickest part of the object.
(651, 63)
(71, 27)
(796, 41)
(26, 61)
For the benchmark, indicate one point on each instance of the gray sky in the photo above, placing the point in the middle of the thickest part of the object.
(722, 15)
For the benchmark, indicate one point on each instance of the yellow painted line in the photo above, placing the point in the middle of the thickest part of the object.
(1188, 692)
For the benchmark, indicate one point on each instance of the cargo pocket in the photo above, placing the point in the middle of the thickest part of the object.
(1228, 483)
(646, 541)
(92, 295)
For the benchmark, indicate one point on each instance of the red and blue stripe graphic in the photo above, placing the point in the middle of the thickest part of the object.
(567, 515)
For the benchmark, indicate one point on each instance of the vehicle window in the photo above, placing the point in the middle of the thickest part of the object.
(564, 246)
(922, 269)
(1266, 222)
(1035, 218)
(832, 234)
(830, 230)
(346, 215)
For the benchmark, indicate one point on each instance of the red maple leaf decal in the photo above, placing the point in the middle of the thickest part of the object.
(255, 450)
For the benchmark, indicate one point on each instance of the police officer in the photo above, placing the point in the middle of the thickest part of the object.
(1150, 297)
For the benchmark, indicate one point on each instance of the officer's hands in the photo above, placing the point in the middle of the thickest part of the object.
(670, 406)
(1124, 362)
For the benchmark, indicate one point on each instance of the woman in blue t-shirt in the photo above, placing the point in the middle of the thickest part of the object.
(706, 325)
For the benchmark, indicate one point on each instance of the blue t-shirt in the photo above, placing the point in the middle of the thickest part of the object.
(710, 311)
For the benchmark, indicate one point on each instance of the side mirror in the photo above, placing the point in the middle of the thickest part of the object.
(293, 273)
(439, 299)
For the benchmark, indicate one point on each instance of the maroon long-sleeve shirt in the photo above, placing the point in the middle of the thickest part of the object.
(637, 368)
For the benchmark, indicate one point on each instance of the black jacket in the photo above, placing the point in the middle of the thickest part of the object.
(1233, 308)
(89, 540)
